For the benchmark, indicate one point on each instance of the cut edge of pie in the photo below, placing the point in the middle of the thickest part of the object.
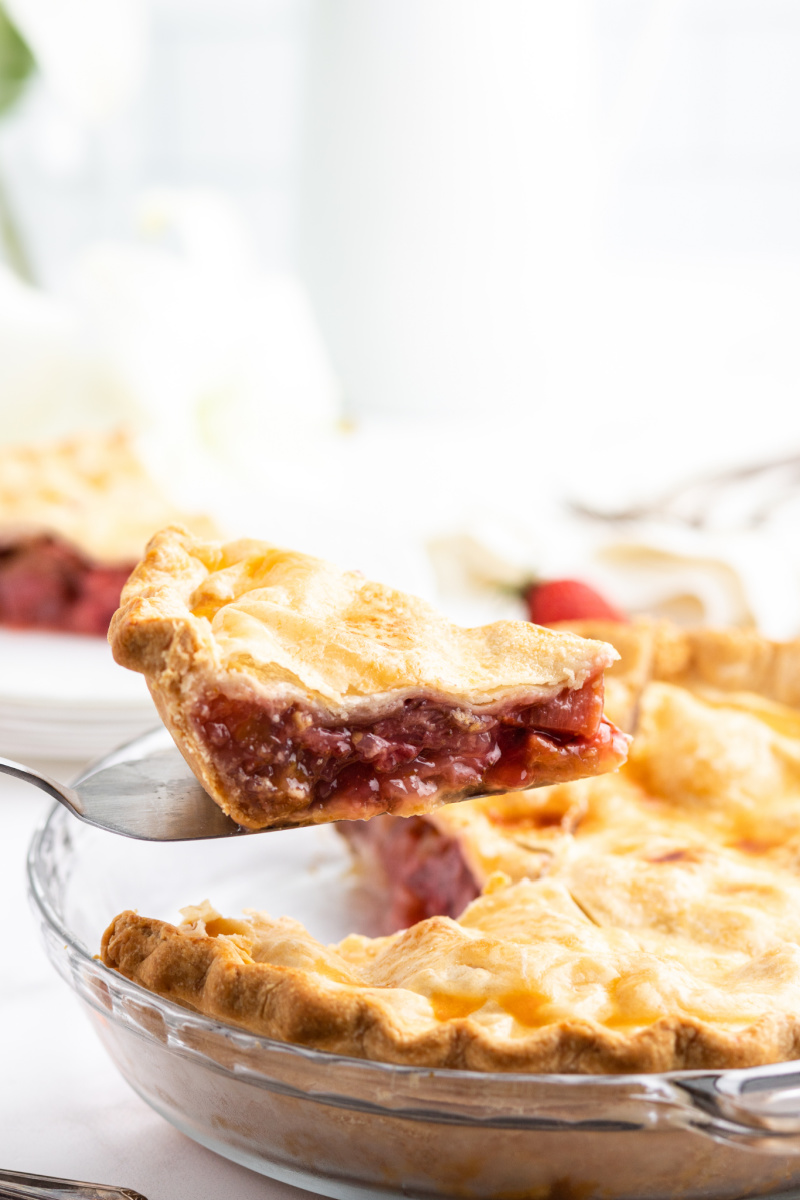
(439, 862)
(435, 864)
(299, 693)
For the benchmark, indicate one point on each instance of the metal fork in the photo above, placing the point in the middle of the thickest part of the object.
(17, 1185)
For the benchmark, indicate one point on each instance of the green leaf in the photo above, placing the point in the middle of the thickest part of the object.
(16, 62)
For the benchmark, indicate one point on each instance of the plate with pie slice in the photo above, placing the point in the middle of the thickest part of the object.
(75, 516)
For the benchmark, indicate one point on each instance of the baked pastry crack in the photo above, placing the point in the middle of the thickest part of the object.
(301, 693)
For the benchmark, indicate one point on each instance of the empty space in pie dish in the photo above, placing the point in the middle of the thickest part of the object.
(302, 873)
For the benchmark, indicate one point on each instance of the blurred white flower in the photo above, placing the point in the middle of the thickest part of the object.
(219, 358)
(90, 52)
(184, 340)
(50, 383)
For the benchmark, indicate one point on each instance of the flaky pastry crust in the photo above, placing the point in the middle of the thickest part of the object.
(503, 989)
(300, 626)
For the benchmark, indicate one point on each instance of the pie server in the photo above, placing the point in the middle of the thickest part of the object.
(143, 790)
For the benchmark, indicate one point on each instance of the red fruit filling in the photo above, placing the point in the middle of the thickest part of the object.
(284, 763)
(424, 869)
(46, 584)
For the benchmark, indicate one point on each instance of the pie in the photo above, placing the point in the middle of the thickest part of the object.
(75, 516)
(437, 863)
(434, 865)
(646, 920)
(301, 693)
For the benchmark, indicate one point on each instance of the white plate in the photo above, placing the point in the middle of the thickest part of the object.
(63, 696)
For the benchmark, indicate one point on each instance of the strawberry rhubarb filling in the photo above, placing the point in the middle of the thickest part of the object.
(422, 871)
(287, 764)
(47, 584)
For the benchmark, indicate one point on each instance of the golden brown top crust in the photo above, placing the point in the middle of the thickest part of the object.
(728, 660)
(295, 625)
(92, 491)
(645, 920)
(711, 768)
(732, 660)
(624, 680)
(621, 964)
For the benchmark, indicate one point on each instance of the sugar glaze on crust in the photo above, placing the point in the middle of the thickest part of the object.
(283, 679)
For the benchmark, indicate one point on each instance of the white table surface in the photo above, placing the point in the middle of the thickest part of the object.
(64, 1108)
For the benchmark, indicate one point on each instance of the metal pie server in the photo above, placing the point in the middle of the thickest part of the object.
(143, 790)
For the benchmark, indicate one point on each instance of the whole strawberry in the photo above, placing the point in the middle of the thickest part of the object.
(568, 600)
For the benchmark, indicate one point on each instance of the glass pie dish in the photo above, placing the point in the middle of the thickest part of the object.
(344, 1127)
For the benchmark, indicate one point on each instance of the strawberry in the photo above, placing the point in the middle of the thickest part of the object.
(568, 600)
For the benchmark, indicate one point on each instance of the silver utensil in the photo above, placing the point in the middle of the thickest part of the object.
(143, 790)
(17, 1185)
(744, 497)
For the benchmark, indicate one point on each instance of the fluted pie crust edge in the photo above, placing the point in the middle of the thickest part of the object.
(281, 1003)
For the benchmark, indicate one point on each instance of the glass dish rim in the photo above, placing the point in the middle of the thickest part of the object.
(37, 893)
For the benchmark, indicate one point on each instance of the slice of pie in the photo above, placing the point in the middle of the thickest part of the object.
(75, 516)
(647, 920)
(301, 693)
